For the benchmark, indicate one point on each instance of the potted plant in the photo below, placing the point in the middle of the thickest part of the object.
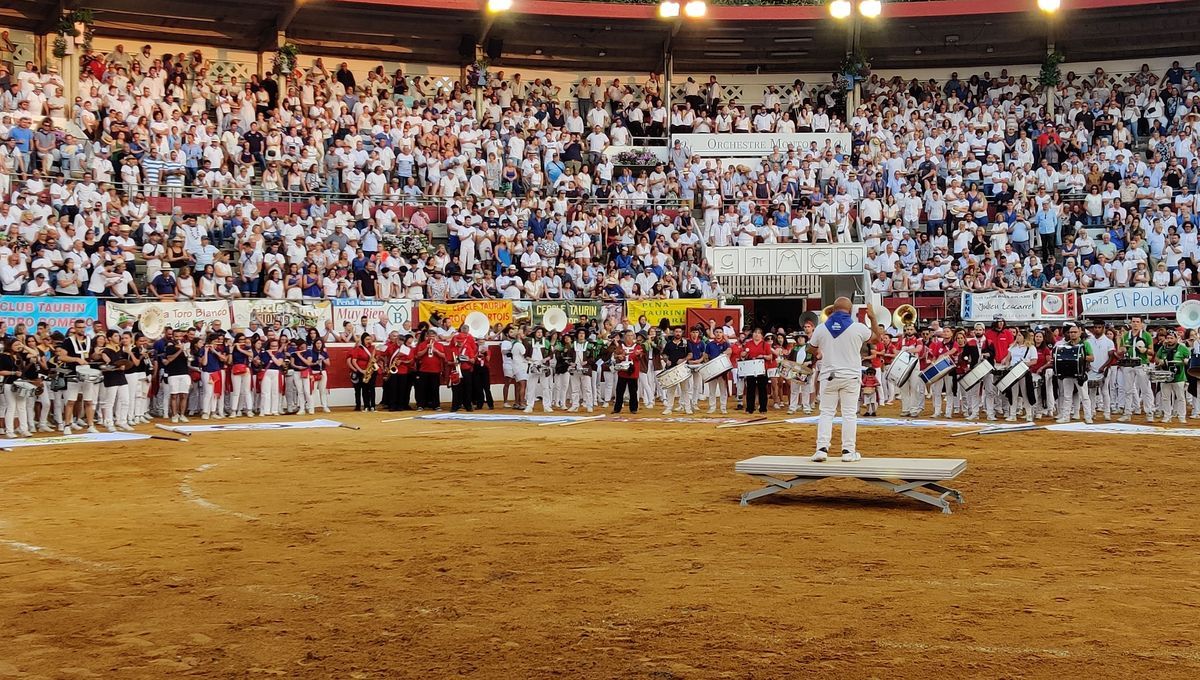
(285, 58)
(856, 67)
(73, 28)
(638, 159)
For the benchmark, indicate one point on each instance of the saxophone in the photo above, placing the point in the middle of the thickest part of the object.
(368, 373)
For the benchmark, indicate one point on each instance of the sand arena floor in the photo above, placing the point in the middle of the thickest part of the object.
(424, 549)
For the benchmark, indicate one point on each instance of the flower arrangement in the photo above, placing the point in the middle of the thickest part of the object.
(1051, 75)
(856, 66)
(637, 157)
(409, 244)
(477, 73)
(285, 58)
(71, 25)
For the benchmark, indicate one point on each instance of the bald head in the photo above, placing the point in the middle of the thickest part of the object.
(842, 304)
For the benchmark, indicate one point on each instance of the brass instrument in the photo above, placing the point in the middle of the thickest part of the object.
(372, 365)
(825, 314)
(905, 315)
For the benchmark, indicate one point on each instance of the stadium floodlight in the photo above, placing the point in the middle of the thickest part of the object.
(840, 9)
(668, 9)
(870, 8)
(495, 6)
(695, 9)
(1049, 5)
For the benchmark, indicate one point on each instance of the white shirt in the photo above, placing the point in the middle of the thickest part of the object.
(841, 357)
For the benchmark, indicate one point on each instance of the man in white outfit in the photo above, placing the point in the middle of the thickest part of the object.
(840, 340)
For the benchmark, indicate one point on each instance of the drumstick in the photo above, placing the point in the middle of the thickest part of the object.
(349, 427)
(585, 419)
(756, 421)
(167, 439)
(396, 420)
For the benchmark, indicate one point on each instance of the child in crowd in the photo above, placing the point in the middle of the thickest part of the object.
(870, 391)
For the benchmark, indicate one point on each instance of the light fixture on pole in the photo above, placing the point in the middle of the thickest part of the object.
(496, 6)
(1049, 6)
(840, 9)
(870, 8)
(695, 9)
(668, 9)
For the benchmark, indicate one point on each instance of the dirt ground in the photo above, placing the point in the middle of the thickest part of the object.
(423, 549)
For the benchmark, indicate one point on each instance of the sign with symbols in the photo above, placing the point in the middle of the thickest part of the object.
(790, 259)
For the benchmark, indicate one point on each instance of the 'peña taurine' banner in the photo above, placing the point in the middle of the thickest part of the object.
(391, 314)
(498, 311)
(58, 312)
(180, 315)
(575, 310)
(674, 311)
(289, 313)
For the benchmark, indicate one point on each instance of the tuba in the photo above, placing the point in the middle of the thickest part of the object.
(905, 315)
(825, 314)
(1188, 314)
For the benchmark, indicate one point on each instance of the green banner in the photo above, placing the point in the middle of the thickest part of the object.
(574, 309)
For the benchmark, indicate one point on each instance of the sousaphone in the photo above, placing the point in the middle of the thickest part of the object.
(478, 324)
(152, 322)
(555, 319)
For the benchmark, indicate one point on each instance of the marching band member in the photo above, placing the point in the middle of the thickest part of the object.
(694, 386)
(971, 356)
(274, 360)
(560, 381)
(138, 376)
(15, 364)
(840, 340)
(1194, 344)
(1070, 386)
(391, 371)
(463, 352)
(912, 393)
(756, 386)
(540, 358)
(301, 376)
(1174, 356)
(1022, 395)
(73, 353)
(362, 364)
(318, 358)
(801, 391)
(114, 396)
(520, 366)
(175, 360)
(652, 362)
(506, 361)
(999, 339)
(675, 353)
(1104, 352)
(582, 360)
(718, 388)
(241, 357)
(481, 381)
(628, 356)
(940, 346)
(212, 363)
(1136, 346)
(1043, 373)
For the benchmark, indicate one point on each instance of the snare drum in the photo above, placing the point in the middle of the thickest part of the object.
(1157, 376)
(89, 374)
(750, 368)
(670, 377)
(1017, 372)
(715, 368)
(1129, 362)
(1095, 379)
(940, 369)
(976, 375)
(24, 388)
(902, 368)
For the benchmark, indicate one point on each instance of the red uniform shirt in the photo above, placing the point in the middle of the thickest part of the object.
(426, 362)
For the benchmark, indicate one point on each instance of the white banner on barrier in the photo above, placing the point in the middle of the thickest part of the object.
(1131, 301)
(789, 259)
(888, 422)
(62, 440)
(243, 427)
(760, 144)
(1030, 305)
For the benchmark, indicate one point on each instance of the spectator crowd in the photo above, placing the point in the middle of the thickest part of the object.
(324, 183)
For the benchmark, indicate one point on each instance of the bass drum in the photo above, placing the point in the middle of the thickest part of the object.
(976, 375)
(1193, 367)
(715, 368)
(902, 369)
(1017, 372)
(670, 377)
(1069, 361)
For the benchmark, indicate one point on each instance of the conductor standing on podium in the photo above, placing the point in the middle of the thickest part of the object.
(840, 340)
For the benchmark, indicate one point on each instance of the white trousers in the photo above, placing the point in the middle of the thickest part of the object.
(303, 392)
(1069, 390)
(139, 394)
(239, 388)
(562, 389)
(843, 392)
(580, 386)
(114, 405)
(270, 393)
(1136, 381)
(538, 386)
(647, 389)
(800, 394)
(912, 395)
(15, 409)
(214, 404)
(320, 391)
(1174, 400)
(718, 393)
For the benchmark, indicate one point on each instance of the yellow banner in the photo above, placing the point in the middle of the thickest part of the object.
(498, 311)
(674, 311)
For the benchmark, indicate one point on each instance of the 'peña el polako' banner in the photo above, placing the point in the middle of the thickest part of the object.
(674, 311)
(498, 311)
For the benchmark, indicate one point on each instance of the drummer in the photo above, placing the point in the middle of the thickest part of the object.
(718, 388)
(972, 355)
(912, 392)
(1072, 386)
(675, 353)
(941, 346)
(1136, 347)
(1104, 352)
(696, 346)
(1173, 356)
(756, 349)
(1022, 396)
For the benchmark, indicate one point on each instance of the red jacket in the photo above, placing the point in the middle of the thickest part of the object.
(463, 344)
(635, 355)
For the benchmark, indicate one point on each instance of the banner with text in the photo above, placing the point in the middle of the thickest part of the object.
(761, 144)
(1031, 305)
(789, 259)
(1131, 301)
(574, 309)
(174, 314)
(289, 313)
(674, 311)
(391, 314)
(498, 311)
(58, 312)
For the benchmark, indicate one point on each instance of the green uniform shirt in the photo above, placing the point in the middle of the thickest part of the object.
(1128, 341)
(1179, 356)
